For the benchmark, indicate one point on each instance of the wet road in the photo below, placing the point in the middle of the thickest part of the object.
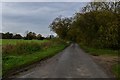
(70, 63)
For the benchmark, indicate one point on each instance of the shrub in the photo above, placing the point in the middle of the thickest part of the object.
(21, 48)
(46, 45)
(24, 47)
(28, 47)
(6, 49)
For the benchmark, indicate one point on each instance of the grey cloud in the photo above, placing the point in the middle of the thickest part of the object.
(33, 16)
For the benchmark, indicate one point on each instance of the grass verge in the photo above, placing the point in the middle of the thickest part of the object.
(97, 52)
(116, 70)
(105, 53)
(17, 61)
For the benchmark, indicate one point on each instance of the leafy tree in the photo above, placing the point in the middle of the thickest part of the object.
(30, 36)
(100, 6)
(7, 35)
(17, 36)
(39, 37)
(61, 26)
(97, 25)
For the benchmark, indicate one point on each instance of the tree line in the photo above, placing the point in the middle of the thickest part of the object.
(97, 25)
(29, 36)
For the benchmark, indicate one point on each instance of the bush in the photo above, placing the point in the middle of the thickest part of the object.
(46, 45)
(21, 48)
(7, 49)
(29, 47)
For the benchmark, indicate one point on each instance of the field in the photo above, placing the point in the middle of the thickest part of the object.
(20, 53)
(14, 41)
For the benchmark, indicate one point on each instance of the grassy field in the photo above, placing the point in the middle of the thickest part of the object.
(105, 53)
(14, 41)
(28, 52)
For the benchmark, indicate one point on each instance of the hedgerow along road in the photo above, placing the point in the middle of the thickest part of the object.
(70, 63)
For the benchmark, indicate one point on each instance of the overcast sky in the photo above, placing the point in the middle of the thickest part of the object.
(35, 16)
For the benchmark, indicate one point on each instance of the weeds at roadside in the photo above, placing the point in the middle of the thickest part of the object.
(21, 54)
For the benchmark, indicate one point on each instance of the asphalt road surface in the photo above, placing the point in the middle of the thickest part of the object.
(70, 63)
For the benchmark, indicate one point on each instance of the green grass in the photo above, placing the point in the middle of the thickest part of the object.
(14, 41)
(104, 52)
(0, 41)
(97, 52)
(13, 56)
(12, 62)
(21, 48)
(116, 70)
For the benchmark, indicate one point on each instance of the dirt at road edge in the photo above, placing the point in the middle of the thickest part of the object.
(106, 62)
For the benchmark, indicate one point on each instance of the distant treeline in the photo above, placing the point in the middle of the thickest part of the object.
(29, 36)
(97, 25)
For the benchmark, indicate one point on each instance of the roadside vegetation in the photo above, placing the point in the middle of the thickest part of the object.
(97, 51)
(116, 70)
(23, 53)
(96, 27)
(109, 58)
(15, 41)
